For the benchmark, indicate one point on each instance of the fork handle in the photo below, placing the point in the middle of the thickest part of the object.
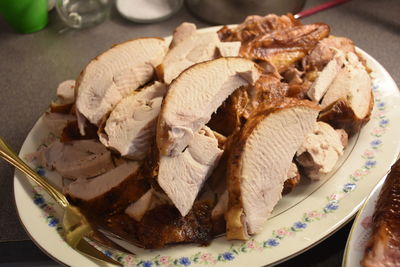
(11, 157)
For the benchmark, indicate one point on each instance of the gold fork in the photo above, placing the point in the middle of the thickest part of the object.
(76, 227)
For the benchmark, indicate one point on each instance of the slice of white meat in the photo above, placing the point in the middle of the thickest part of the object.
(147, 202)
(221, 207)
(114, 75)
(66, 92)
(182, 32)
(325, 77)
(260, 161)
(320, 151)
(130, 128)
(349, 100)
(292, 172)
(90, 189)
(76, 159)
(228, 49)
(65, 97)
(195, 95)
(182, 177)
(196, 48)
(353, 82)
(325, 50)
(138, 209)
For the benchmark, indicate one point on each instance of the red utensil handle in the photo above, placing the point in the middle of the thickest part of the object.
(319, 8)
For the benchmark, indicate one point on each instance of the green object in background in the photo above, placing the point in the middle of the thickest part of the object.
(25, 16)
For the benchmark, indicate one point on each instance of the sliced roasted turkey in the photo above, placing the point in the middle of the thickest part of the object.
(65, 97)
(195, 95)
(237, 108)
(92, 188)
(324, 52)
(182, 33)
(254, 26)
(147, 202)
(285, 47)
(326, 76)
(76, 159)
(114, 75)
(321, 150)
(109, 192)
(196, 48)
(183, 176)
(56, 122)
(131, 126)
(228, 49)
(260, 161)
(348, 101)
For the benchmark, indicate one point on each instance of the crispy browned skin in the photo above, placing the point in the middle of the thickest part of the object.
(164, 225)
(298, 90)
(340, 116)
(255, 25)
(236, 229)
(228, 117)
(290, 184)
(383, 248)
(235, 111)
(117, 199)
(285, 47)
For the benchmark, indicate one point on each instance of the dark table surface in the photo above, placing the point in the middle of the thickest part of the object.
(32, 65)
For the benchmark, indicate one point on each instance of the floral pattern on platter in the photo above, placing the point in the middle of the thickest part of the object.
(369, 156)
(47, 207)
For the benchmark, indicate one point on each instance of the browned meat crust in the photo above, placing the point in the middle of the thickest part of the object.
(285, 47)
(115, 200)
(290, 184)
(235, 111)
(164, 225)
(383, 248)
(255, 25)
(341, 116)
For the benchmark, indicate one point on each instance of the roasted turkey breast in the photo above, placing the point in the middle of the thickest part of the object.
(260, 161)
(181, 177)
(130, 128)
(195, 95)
(114, 75)
(348, 101)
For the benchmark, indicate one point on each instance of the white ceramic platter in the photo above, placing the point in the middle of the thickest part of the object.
(361, 230)
(303, 218)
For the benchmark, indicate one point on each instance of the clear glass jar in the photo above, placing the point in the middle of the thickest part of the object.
(83, 13)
